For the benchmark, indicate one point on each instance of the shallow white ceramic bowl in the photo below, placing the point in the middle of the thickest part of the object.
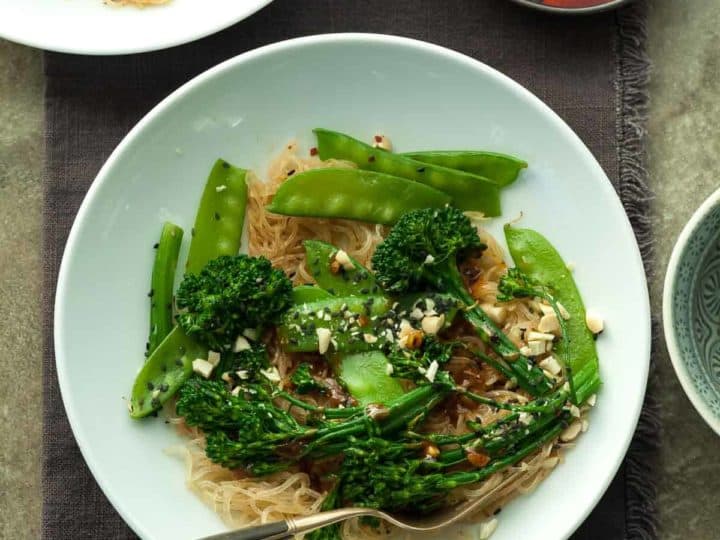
(245, 110)
(91, 27)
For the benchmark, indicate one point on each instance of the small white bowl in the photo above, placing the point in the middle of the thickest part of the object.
(691, 309)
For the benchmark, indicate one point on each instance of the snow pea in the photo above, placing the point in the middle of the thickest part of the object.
(353, 194)
(365, 377)
(536, 257)
(167, 368)
(161, 285)
(468, 191)
(220, 216)
(346, 317)
(501, 169)
(302, 294)
(351, 282)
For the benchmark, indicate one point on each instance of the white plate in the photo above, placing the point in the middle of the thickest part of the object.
(91, 27)
(245, 110)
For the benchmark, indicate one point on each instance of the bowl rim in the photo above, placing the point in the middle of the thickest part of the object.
(668, 311)
(606, 6)
(202, 78)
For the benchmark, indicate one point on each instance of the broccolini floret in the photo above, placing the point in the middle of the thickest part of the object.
(424, 249)
(304, 382)
(231, 294)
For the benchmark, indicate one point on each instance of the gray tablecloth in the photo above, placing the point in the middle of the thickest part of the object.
(591, 70)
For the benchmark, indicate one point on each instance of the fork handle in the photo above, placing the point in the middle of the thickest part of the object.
(277, 530)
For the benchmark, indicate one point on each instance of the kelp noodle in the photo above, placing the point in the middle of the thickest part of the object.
(242, 500)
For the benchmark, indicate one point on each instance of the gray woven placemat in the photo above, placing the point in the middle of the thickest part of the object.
(591, 70)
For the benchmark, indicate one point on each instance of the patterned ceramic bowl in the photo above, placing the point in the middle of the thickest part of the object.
(691, 310)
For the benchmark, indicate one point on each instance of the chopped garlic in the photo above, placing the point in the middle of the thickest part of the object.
(496, 313)
(323, 335)
(343, 260)
(369, 338)
(549, 324)
(432, 325)
(525, 418)
(487, 528)
(202, 367)
(594, 321)
(214, 358)
(389, 369)
(429, 259)
(271, 374)
(552, 365)
(432, 371)
(241, 344)
(539, 336)
(382, 142)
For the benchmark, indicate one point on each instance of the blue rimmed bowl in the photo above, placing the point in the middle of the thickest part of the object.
(691, 310)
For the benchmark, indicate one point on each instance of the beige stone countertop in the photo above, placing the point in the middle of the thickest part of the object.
(683, 147)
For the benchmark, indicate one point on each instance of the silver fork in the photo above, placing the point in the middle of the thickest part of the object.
(281, 530)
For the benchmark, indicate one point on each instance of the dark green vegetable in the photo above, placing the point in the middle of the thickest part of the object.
(499, 168)
(347, 318)
(414, 364)
(302, 294)
(230, 295)
(535, 256)
(248, 362)
(353, 194)
(167, 368)
(161, 288)
(365, 376)
(358, 281)
(220, 217)
(468, 192)
(304, 381)
(423, 250)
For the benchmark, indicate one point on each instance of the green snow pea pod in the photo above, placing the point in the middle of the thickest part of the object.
(536, 257)
(346, 318)
(344, 281)
(468, 191)
(220, 216)
(167, 368)
(365, 376)
(499, 168)
(161, 285)
(303, 294)
(353, 194)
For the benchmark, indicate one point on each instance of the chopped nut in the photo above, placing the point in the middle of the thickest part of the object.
(497, 314)
(430, 450)
(369, 338)
(432, 325)
(389, 369)
(594, 321)
(335, 266)
(572, 431)
(411, 340)
(432, 371)
(202, 367)
(241, 344)
(417, 314)
(564, 313)
(271, 374)
(535, 348)
(323, 335)
(592, 400)
(549, 324)
(539, 336)
(342, 258)
(382, 142)
(226, 377)
(552, 365)
(236, 391)
(213, 358)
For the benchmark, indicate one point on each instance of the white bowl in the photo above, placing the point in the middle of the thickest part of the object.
(245, 110)
(92, 27)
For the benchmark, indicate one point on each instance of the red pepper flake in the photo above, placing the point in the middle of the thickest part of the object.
(314, 151)
(371, 159)
(378, 138)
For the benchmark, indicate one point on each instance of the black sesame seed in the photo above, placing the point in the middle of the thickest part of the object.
(192, 231)
(156, 245)
(421, 170)
(164, 387)
(150, 386)
(225, 165)
(371, 159)
(178, 362)
(151, 293)
(217, 216)
(331, 291)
